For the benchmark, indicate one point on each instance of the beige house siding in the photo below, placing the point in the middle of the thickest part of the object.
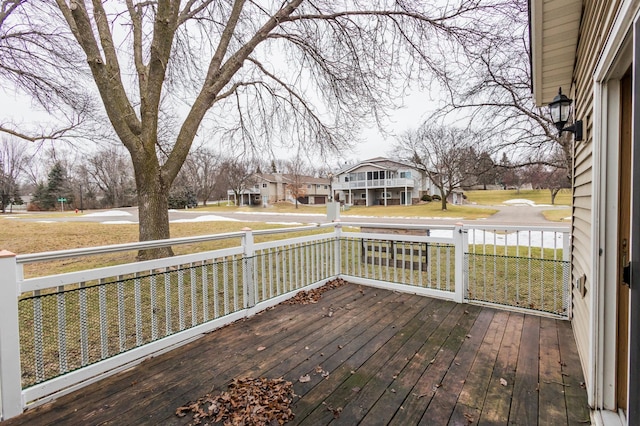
(596, 23)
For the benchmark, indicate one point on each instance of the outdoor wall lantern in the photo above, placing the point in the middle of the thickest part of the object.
(560, 109)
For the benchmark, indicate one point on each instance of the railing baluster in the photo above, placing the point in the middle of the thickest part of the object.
(204, 272)
(153, 296)
(102, 306)
(438, 267)
(448, 270)
(506, 269)
(138, 308)
(122, 332)
(271, 253)
(38, 343)
(235, 284)
(225, 283)
(517, 267)
(530, 272)
(291, 255)
(168, 314)
(62, 331)
(181, 320)
(214, 272)
(84, 335)
(193, 283)
(495, 264)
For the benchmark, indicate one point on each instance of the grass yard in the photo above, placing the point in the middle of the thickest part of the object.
(538, 196)
(419, 210)
(558, 215)
(23, 237)
(432, 209)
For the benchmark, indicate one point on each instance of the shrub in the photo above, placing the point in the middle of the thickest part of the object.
(436, 197)
(426, 197)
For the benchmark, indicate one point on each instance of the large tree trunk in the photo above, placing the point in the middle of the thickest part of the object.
(153, 212)
(443, 202)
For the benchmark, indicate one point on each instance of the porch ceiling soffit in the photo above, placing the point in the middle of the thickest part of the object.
(555, 30)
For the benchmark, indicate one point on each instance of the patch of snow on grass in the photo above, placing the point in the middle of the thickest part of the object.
(108, 213)
(206, 218)
(520, 202)
(520, 238)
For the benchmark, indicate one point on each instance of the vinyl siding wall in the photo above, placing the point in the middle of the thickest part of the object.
(596, 23)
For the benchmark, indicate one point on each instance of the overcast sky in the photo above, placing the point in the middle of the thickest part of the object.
(417, 106)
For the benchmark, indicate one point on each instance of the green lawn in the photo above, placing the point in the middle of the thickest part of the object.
(538, 196)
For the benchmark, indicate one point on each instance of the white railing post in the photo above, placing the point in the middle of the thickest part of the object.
(566, 272)
(461, 244)
(10, 381)
(248, 280)
(337, 250)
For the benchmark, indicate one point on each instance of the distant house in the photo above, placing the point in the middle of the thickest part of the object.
(381, 181)
(270, 188)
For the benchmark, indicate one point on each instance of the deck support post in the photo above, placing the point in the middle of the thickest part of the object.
(461, 243)
(10, 380)
(248, 280)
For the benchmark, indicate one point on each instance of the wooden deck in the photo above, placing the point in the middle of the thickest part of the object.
(392, 359)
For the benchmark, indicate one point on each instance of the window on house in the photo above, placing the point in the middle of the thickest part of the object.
(406, 175)
(264, 185)
(363, 195)
(385, 195)
(326, 187)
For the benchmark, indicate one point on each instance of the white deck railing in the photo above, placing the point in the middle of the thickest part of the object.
(374, 183)
(61, 332)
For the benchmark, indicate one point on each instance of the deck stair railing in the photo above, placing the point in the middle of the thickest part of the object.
(63, 331)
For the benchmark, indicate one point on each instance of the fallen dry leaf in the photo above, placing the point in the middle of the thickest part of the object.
(306, 297)
(304, 379)
(261, 348)
(503, 382)
(250, 402)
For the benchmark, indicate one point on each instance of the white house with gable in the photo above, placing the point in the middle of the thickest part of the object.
(381, 181)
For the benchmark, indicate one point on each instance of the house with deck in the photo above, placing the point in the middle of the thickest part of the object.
(591, 50)
(269, 188)
(382, 181)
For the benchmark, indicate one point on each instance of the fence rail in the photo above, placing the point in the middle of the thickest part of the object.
(60, 332)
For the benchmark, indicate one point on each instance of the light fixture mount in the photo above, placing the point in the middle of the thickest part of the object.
(560, 109)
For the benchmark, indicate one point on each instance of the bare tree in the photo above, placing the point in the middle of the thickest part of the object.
(295, 71)
(237, 175)
(112, 173)
(12, 161)
(490, 81)
(297, 169)
(202, 167)
(36, 59)
(442, 152)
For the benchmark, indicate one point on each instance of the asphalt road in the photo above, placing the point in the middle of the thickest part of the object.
(507, 215)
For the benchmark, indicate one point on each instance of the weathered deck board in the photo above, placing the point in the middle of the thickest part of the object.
(524, 406)
(392, 358)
